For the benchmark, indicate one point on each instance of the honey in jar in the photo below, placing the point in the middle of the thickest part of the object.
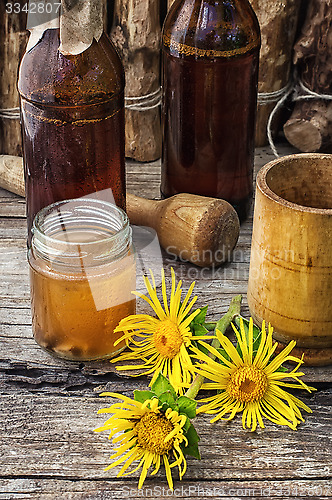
(82, 273)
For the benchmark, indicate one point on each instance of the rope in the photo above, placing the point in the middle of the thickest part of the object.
(268, 97)
(144, 102)
(288, 90)
(10, 113)
(310, 94)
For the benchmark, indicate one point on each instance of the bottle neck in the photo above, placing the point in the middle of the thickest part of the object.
(211, 29)
(78, 26)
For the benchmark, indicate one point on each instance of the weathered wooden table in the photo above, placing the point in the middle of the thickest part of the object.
(49, 407)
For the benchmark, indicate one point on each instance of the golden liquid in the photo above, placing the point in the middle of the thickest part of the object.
(74, 314)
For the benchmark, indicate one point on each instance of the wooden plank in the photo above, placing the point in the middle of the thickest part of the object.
(11, 205)
(48, 406)
(18, 350)
(87, 489)
(52, 435)
(16, 229)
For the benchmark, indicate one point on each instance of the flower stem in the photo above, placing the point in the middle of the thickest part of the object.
(221, 325)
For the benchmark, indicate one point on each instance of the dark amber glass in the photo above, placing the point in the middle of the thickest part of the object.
(210, 52)
(72, 111)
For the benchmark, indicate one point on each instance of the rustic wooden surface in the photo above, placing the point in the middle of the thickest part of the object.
(49, 407)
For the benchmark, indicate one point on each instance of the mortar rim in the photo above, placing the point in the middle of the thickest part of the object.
(264, 188)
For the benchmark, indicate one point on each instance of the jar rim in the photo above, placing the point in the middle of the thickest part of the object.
(94, 201)
(104, 221)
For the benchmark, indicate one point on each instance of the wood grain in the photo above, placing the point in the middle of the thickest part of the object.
(278, 21)
(90, 489)
(136, 35)
(49, 406)
(35, 432)
(310, 126)
(13, 40)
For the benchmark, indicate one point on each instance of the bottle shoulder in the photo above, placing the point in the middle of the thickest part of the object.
(49, 77)
(208, 28)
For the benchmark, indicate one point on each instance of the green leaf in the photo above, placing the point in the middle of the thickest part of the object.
(187, 425)
(192, 450)
(167, 401)
(210, 326)
(187, 406)
(192, 435)
(142, 396)
(193, 439)
(161, 385)
(223, 353)
(200, 318)
(198, 322)
(199, 330)
(282, 369)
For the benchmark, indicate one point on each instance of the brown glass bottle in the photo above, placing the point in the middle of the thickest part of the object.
(210, 52)
(72, 111)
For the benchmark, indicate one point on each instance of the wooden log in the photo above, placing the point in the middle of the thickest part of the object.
(13, 39)
(278, 21)
(310, 127)
(136, 34)
(105, 15)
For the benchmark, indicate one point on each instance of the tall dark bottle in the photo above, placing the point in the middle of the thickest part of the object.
(210, 53)
(72, 110)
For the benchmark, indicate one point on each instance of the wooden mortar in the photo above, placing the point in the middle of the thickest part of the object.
(290, 278)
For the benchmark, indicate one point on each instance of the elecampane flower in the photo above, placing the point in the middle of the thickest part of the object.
(147, 435)
(252, 383)
(162, 342)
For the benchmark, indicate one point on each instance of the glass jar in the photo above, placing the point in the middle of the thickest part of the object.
(82, 273)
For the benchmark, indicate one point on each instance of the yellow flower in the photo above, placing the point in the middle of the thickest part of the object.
(162, 342)
(251, 382)
(146, 434)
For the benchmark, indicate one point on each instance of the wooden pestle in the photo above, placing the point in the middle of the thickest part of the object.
(199, 229)
(195, 228)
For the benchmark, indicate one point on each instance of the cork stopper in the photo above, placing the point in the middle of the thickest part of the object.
(80, 22)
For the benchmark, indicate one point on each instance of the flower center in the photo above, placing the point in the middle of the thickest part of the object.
(152, 430)
(167, 339)
(247, 384)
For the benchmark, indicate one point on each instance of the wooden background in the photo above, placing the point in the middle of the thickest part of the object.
(49, 407)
